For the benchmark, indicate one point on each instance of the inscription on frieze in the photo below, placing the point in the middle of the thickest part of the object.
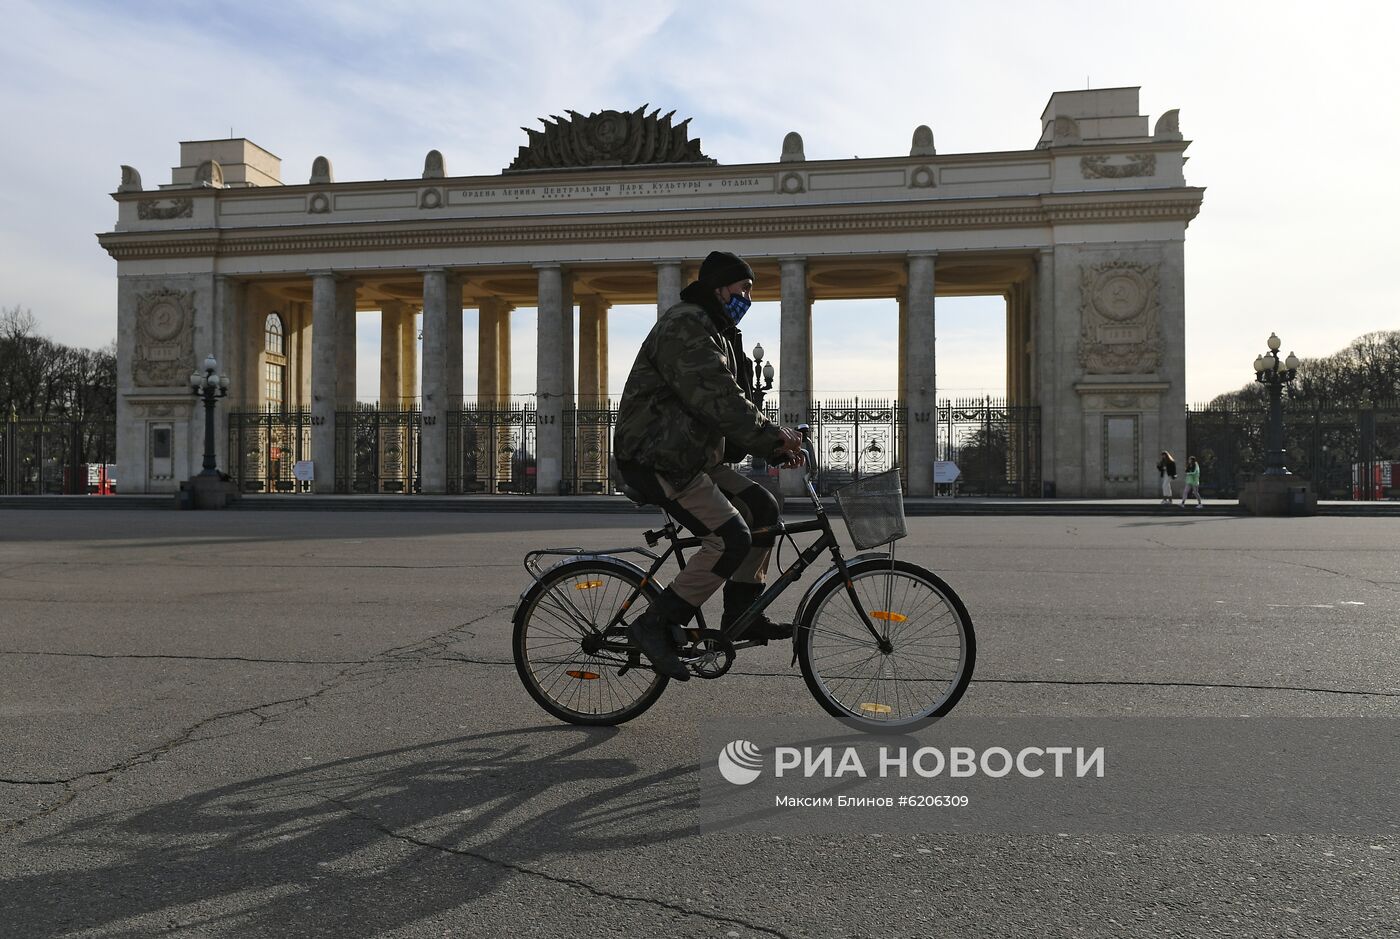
(616, 190)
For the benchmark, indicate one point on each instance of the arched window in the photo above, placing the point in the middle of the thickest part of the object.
(275, 371)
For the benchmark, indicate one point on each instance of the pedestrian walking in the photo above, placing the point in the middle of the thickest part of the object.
(1166, 469)
(1193, 482)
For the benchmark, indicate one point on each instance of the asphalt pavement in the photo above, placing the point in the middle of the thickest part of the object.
(309, 724)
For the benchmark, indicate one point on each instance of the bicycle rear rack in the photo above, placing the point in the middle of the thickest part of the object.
(536, 571)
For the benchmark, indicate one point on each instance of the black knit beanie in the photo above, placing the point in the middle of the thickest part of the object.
(720, 269)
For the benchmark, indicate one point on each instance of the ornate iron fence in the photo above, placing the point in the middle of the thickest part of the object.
(377, 449)
(1325, 445)
(996, 446)
(491, 448)
(55, 456)
(853, 438)
(588, 440)
(264, 447)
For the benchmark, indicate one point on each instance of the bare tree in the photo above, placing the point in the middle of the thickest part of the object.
(43, 378)
(1364, 374)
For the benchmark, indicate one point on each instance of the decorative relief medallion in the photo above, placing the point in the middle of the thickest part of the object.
(1119, 319)
(921, 178)
(161, 209)
(791, 183)
(1138, 164)
(164, 337)
(320, 204)
(430, 199)
(608, 138)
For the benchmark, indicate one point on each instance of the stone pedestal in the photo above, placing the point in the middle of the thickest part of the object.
(1279, 495)
(206, 492)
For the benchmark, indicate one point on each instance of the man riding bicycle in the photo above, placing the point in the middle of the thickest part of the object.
(686, 412)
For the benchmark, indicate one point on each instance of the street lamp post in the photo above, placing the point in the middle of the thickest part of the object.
(763, 374)
(208, 489)
(1277, 491)
(209, 387)
(1275, 376)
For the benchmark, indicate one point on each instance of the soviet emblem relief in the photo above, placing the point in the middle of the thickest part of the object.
(1119, 316)
(164, 338)
(609, 138)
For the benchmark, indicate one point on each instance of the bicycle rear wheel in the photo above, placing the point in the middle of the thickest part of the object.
(930, 662)
(560, 626)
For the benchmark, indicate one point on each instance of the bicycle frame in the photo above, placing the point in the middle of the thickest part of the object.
(735, 631)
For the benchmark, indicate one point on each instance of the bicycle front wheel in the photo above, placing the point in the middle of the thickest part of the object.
(932, 647)
(568, 628)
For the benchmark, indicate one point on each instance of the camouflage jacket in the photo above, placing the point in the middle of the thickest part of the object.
(687, 398)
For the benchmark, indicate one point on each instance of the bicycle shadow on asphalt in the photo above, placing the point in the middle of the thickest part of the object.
(317, 850)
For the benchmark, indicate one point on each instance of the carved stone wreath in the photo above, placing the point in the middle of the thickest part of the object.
(164, 337)
(1098, 167)
(161, 209)
(1119, 330)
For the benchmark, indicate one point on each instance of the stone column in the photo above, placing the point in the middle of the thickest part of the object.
(920, 376)
(408, 358)
(592, 391)
(390, 353)
(592, 351)
(324, 386)
(488, 324)
(228, 317)
(433, 450)
(454, 342)
(252, 342)
(568, 443)
(669, 283)
(549, 380)
(1046, 392)
(503, 310)
(902, 418)
(345, 344)
(902, 384)
(795, 367)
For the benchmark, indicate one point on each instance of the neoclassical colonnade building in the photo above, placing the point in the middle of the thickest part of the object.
(1082, 234)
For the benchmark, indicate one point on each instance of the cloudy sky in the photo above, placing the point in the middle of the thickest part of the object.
(1291, 108)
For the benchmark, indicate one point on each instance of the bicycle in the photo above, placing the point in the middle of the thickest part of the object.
(574, 657)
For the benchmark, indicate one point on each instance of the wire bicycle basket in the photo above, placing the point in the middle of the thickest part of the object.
(873, 508)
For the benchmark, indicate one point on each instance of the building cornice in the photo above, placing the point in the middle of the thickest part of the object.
(691, 171)
(1178, 204)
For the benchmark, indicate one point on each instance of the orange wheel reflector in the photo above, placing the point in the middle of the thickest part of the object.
(582, 676)
(877, 708)
(588, 584)
(887, 616)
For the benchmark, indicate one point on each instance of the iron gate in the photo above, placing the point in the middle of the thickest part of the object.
(377, 449)
(996, 446)
(491, 449)
(853, 438)
(51, 456)
(1322, 444)
(264, 447)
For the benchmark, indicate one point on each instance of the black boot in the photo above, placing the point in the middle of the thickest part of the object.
(655, 635)
(737, 598)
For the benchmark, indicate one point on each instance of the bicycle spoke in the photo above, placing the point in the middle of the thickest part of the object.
(574, 609)
(926, 642)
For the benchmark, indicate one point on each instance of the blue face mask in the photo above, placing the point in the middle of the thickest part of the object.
(737, 306)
